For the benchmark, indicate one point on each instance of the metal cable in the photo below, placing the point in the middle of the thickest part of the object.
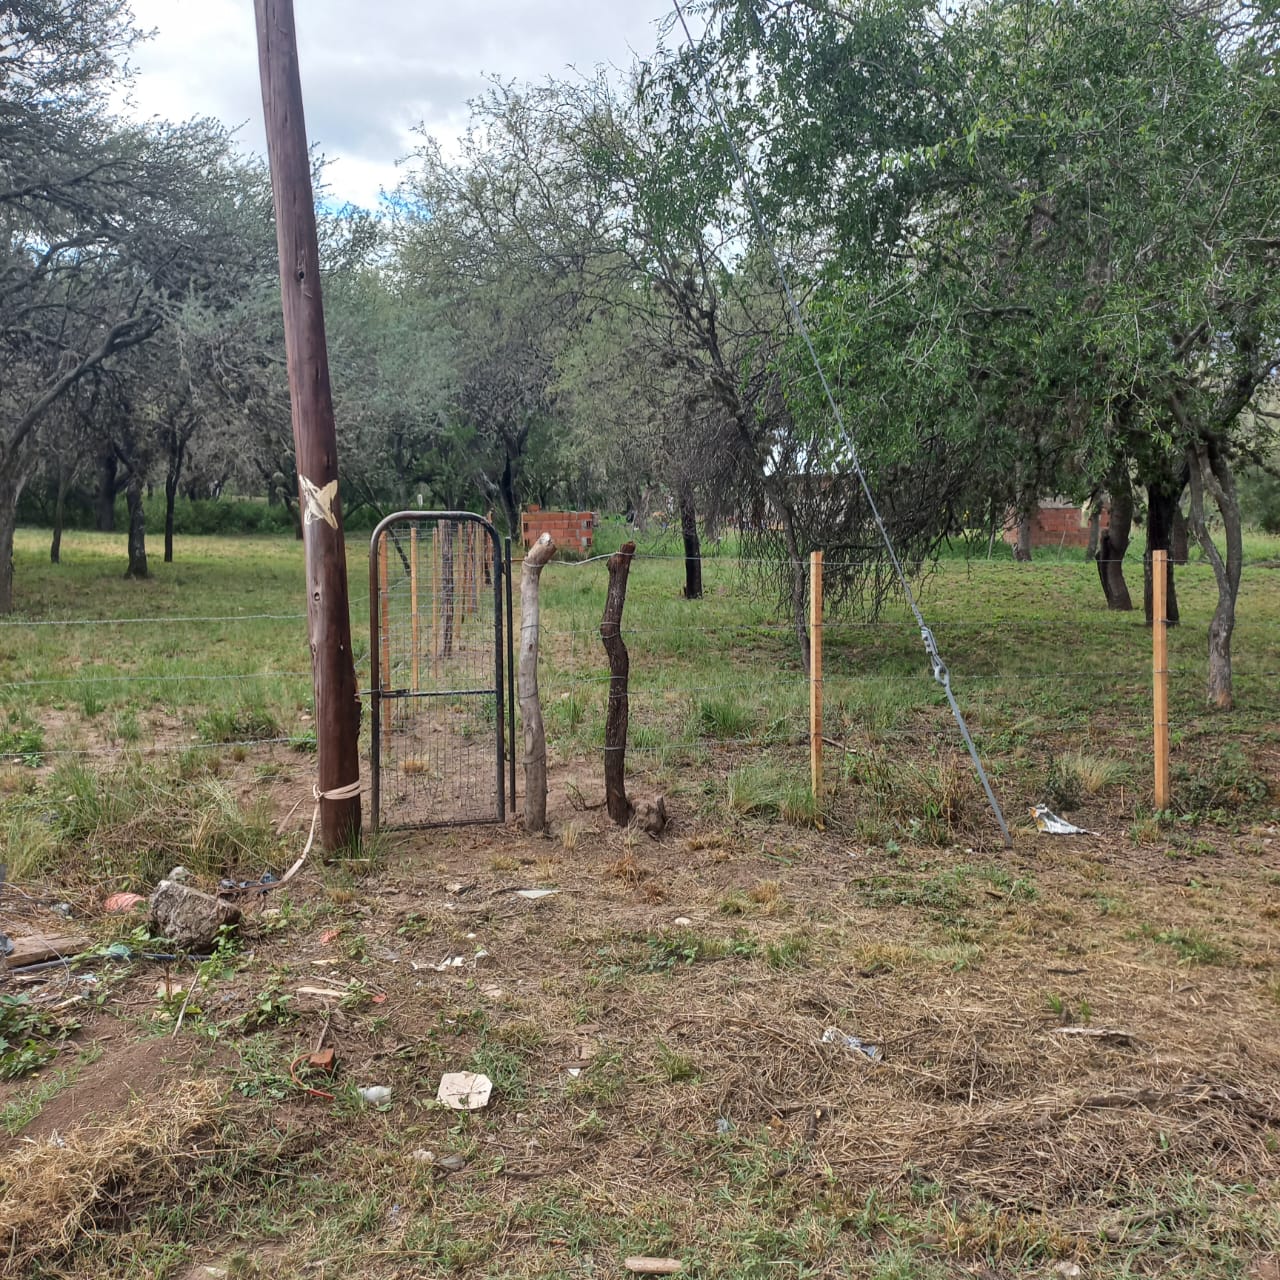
(938, 667)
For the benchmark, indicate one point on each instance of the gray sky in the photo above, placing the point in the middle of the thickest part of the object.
(367, 81)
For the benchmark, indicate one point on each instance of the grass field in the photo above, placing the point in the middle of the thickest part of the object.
(1075, 1042)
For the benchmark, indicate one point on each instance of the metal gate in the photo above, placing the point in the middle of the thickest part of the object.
(441, 703)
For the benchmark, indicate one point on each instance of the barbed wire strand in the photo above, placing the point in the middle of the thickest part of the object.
(940, 672)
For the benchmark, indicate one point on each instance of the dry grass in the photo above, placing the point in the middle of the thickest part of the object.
(57, 1188)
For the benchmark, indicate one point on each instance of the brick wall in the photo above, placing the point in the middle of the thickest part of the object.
(1057, 527)
(572, 530)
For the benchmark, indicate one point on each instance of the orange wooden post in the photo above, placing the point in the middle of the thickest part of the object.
(815, 673)
(435, 602)
(1160, 672)
(413, 599)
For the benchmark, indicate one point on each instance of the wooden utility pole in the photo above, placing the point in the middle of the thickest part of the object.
(1160, 673)
(815, 675)
(314, 436)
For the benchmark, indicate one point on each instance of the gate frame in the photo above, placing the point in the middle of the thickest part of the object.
(503, 692)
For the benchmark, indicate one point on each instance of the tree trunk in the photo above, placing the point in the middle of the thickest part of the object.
(59, 513)
(1022, 548)
(1162, 502)
(507, 492)
(1179, 551)
(9, 495)
(535, 737)
(1095, 534)
(137, 530)
(1114, 544)
(799, 580)
(692, 546)
(1210, 469)
(615, 723)
(172, 475)
(104, 503)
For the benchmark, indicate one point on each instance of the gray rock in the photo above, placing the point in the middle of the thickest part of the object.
(651, 815)
(188, 918)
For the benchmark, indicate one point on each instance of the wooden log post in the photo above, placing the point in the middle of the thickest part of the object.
(1160, 675)
(615, 721)
(314, 434)
(535, 737)
(815, 674)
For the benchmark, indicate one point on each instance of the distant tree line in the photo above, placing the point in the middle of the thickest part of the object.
(1035, 241)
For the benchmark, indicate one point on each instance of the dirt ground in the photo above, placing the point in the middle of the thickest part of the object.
(759, 1049)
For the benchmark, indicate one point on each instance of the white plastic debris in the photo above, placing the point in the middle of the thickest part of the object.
(464, 1090)
(449, 962)
(1053, 825)
(534, 894)
(376, 1095)
(833, 1035)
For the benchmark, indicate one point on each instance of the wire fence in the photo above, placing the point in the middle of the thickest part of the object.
(713, 683)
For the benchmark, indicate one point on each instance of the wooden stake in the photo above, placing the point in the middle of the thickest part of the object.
(314, 436)
(535, 737)
(413, 599)
(815, 674)
(1160, 673)
(384, 628)
(435, 602)
(620, 808)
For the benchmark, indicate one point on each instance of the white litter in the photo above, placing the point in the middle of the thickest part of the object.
(534, 894)
(833, 1035)
(464, 1090)
(1053, 825)
(376, 1095)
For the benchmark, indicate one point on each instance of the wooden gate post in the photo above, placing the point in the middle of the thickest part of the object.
(1160, 673)
(535, 736)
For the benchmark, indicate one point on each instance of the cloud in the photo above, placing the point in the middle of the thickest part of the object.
(370, 73)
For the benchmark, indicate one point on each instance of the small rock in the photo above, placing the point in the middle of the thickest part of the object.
(683, 921)
(179, 874)
(1069, 1270)
(188, 918)
(451, 1163)
(651, 815)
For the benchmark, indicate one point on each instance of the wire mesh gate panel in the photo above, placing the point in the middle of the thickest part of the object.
(439, 702)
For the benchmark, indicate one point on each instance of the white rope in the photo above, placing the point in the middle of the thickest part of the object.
(346, 792)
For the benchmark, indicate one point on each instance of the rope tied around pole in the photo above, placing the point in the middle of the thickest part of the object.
(348, 791)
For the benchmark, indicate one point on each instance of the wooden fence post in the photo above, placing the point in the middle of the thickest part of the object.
(535, 737)
(413, 600)
(1160, 673)
(620, 808)
(815, 674)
